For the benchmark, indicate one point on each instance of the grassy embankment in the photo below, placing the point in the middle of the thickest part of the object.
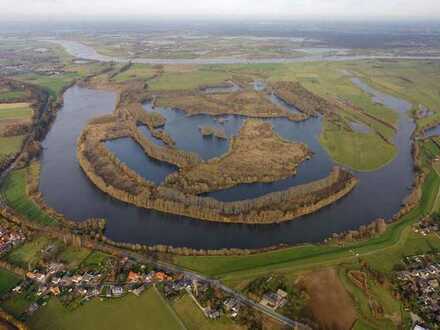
(129, 312)
(381, 252)
(14, 192)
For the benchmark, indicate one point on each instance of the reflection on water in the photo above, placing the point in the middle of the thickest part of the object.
(130, 153)
(378, 194)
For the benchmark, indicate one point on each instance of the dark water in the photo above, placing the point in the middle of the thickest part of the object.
(185, 131)
(129, 152)
(65, 187)
(432, 131)
(283, 104)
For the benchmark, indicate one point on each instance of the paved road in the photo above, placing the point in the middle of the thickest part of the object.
(216, 283)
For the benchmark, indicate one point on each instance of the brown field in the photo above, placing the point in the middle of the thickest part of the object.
(246, 103)
(330, 304)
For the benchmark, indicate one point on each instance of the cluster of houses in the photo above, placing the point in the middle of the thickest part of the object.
(426, 226)
(212, 308)
(274, 300)
(54, 280)
(420, 284)
(9, 238)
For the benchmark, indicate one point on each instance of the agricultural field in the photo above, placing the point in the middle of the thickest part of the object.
(53, 84)
(15, 111)
(187, 78)
(129, 312)
(13, 115)
(136, 71)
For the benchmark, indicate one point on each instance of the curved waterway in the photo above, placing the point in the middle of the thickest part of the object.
(83, 51)
(67, 189)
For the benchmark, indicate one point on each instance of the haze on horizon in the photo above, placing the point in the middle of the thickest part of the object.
(400, 9)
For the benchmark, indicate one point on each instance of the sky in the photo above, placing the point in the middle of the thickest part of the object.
(222, 8)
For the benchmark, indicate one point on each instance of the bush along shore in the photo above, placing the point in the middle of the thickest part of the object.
(146, 196)
(116, 179)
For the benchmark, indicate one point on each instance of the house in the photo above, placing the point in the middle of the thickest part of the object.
(213, 314)
(76, 279)
(230, 304)
(55, 290)
(117, 291)
(274, 299)
(161, 276)
(270, 299)
(134, 277)
(17, 289)
(87, 277)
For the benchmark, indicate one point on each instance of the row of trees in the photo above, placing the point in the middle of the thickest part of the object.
(116, 179)
(295, 94)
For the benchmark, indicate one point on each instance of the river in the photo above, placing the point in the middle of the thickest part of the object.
(67, 189)
(82, 51)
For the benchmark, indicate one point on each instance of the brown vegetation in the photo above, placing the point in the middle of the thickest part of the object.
(296, 95)
(219, 133)
(257, 154)
(245, 103)
(116, 179)
(329, 302)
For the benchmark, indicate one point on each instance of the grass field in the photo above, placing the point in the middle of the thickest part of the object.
(188, 80)
(393, 312)
(354, 149)
(11, 95)
(15, 111)
(136, 71)
(53, 84)
(73, 256)
(129, 312)
(382, 252)
(95, 259)
(10, 145)
(14, 191)
(28, 254)
(194, 319)
(8, 281)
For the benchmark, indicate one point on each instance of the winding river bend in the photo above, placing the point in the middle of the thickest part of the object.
(67, 189)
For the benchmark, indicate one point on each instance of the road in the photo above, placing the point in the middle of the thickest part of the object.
(168, 267)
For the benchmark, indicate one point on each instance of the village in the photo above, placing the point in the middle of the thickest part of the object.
(121, 276)
(419, 284)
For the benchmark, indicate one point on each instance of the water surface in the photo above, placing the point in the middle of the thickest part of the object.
(67, 189)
